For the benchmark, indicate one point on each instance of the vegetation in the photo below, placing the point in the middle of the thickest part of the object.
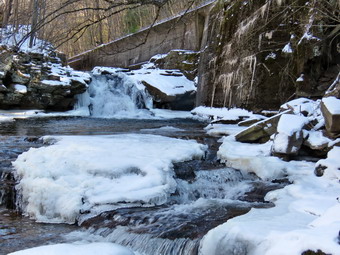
(74, 26)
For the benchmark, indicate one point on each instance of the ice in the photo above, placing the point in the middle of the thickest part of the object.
(253, 158)
(77, 249)
(332, 104)
(88, 173)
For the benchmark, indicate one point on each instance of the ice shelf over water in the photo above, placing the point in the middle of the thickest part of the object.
(78, 174)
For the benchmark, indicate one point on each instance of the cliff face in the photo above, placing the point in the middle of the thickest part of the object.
(262, 53)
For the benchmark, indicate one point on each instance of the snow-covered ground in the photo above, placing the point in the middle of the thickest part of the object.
(306, 212)
(306, 215)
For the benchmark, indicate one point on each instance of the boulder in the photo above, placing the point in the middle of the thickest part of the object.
(289, 136)
(260, 131)
(330, 108)
(161, 100)
(185, 61)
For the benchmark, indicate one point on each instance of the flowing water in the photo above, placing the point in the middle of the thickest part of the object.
(207, 194)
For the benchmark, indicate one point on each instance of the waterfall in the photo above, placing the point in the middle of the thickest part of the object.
(114, 95)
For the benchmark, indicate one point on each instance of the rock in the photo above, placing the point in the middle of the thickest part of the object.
(20, 78)
(185, 61)
(330, 108)
(320, 170)
(38, 81)
(248, 123)
(244, 63)
(261, 131)
(183, 102)
(289, 136)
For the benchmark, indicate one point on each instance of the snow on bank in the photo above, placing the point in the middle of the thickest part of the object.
(305, 216)
(223, 113)
(77, 249)
(78, 174)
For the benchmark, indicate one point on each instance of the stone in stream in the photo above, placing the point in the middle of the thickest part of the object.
(260, 131)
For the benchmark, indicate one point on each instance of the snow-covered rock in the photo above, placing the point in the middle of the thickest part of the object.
(330, 108)
(289, 135)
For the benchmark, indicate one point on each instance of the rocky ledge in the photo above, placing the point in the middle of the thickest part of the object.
(30, 80)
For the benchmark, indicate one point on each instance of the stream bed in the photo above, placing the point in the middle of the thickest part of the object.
(207, 194)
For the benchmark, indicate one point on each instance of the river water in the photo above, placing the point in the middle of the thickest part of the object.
(207, 194)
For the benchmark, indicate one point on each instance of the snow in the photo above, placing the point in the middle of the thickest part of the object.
(332, 163)
(77, 249)
(92, 173)
(223, 113)
(301, 78)
(306, 212)
(157, 78)
(288, 126)
(222, 129)
(287, 48)
(302, 104)
(332, 104)
(317, 139)
(20, 88)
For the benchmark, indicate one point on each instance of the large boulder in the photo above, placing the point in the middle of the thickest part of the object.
(260, 131)
(162, 100)
(289, 136)
(330, 107)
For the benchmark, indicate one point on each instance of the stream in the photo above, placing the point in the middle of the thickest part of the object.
(207, 193)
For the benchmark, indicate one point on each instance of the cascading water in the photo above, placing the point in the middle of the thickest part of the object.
(114, 95)
(178, 226)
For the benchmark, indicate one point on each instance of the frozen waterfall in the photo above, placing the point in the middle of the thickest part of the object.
(114, 95)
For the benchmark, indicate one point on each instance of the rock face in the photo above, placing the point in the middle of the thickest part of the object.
(261, 53)
(38, 81)
(185, 61)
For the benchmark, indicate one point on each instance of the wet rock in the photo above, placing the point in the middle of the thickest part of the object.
(318, 252)
(330, 108)
(320, 170)
(261, 131)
